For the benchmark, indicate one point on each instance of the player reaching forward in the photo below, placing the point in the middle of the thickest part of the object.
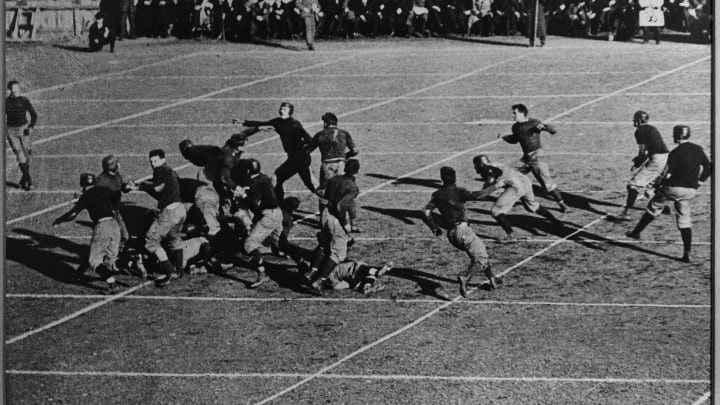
(526, 131)
(294, 139)
(450, 201)
(515, 186)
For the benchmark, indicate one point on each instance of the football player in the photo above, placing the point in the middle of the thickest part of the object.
(678, 184)
(165, 187)
(514, 186)
(526, 131)
(111, 180)
(648, 164)
(267, 224)
(450, 201)
(357, 275)
(105, 242)
(294, 139)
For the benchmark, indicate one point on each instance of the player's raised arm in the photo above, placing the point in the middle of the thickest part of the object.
(510, 138)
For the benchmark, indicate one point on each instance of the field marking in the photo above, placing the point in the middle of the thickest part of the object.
(341, 98)
(375, 123)
(702, 399)
(66, 203)
(385, 153)
(421, 238)
(77, 313)
(359, 300)
(410, 74)
(385, 377)
(436, 310)
(265, 140)
(183, 102)
(110, 74)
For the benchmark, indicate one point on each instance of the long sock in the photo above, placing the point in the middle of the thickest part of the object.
(631, 197)
(176, 256)
(504, 223)
(686, 234)
(556, 195)
(644, 222)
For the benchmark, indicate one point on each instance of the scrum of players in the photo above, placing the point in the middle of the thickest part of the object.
(231, 213)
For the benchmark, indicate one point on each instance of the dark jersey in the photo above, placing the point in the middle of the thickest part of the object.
(450, 201)
(203, 155)
(649, 136)
(340, 192)
(96, 201)
(114, 184)
(171, 192)
(333, 143)
(261, 196)
(684, 164)
(293, 136)
(16, 110)
(188, 188)
(528, 135)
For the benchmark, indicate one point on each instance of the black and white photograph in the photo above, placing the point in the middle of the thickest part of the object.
(359, 202)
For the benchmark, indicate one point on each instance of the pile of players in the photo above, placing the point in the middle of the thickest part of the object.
(238, 214)
(231, 213)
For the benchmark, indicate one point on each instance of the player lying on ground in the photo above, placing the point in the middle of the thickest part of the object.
(450, 201)
(514, 186)
(338, 198)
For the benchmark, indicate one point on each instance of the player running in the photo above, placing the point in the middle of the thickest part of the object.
(526, 131)
(450, 201)
(678, 184)
(649, 162)
(514, 186)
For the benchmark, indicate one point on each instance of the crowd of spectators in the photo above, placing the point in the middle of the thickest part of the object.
(244, 20)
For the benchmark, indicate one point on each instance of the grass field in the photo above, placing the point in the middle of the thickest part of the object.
(583, 317)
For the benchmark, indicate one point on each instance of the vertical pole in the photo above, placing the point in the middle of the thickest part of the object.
(533, 37)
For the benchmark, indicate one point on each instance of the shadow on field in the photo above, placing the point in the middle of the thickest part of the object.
(576, 201)
(10, 184)
(533, 224)
(406, 216)
(591, 237)
(39, 253)
(73, 48)
(423, 280)
(430, 183)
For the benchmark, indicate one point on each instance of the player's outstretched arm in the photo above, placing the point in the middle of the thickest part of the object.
(67, 217)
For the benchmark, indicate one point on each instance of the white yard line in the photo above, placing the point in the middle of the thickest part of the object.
(183, 102)
(420, 238)
(109, 75)
(77, 313)
(358, 300)
(408, 74)
(369, 107)
(341, 98)
(441, 307)
(703, 398)
(384, 377)
(364, 153)
(375, 123)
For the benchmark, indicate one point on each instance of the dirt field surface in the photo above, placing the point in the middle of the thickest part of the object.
(583, 316)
